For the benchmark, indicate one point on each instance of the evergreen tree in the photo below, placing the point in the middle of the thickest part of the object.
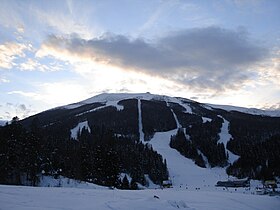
(125, 183)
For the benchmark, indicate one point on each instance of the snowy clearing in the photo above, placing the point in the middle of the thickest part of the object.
(206, 119)
(77, 130)
(27, 198)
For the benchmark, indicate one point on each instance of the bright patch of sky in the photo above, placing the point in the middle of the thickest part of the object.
(57, 52)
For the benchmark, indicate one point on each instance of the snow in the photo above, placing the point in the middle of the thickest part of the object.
(49, 181)
(178, 125)
(186, 135)
(205, 159)
(183, 103)
(27, 198)
(183, 171)
(225, 136)
(112, 99)
(271, 113)
(91, 110)
(206, 119)
(122, 175)
(180, 101)
(3, 122)
(140, 125)
(78, 128)
(151, 185)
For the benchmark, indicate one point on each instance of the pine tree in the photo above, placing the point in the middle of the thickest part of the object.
(125, 183)
(133, 184)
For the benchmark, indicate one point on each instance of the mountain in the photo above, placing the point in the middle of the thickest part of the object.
(3, 122)
(137, 134)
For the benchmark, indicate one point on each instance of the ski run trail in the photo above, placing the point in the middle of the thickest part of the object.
(182, 171)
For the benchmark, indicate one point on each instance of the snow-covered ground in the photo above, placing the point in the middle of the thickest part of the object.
(3, 122)
(49, 181)
(183, 171)
(254, 111)
(140, 124)
(206, 119)
(193, 188)
(44, 198)
(112, 99)
(225, 136)
(78, 128)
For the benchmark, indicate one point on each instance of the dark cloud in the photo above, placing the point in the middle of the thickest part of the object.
(211, 58)
(22, 107)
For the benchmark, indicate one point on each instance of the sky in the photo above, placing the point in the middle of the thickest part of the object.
(53, 53)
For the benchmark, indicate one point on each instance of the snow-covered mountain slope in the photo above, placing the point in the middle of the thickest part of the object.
(112, 99)
(183, 172)
(253, 111)
(3, 122)
(154, 118)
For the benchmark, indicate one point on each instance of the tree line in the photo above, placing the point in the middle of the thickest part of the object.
(98, 157)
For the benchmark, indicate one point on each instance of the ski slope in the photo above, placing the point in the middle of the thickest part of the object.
(224, 137)
(183, 171)
(140, 124)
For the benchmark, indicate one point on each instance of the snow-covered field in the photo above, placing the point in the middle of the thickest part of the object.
(194, 188)
(44, 198)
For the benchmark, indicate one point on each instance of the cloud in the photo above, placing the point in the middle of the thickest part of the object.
(269, 70)
(10, 110)
(22, 107)
(55, 94)
(20, 29)
(31, 65)
(4, 80)
(210, 58)
(66, 23)
(10, 51)
(35, 65)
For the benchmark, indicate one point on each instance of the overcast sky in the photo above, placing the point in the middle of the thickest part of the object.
(59, 52)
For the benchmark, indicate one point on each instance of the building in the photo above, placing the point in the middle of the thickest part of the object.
(234, 183)
(167, 183)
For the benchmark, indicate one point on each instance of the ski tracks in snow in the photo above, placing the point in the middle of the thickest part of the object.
(140, 124)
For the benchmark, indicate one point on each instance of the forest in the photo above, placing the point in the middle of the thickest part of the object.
(98, 157)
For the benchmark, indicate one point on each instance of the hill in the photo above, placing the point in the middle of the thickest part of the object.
(145, 136)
